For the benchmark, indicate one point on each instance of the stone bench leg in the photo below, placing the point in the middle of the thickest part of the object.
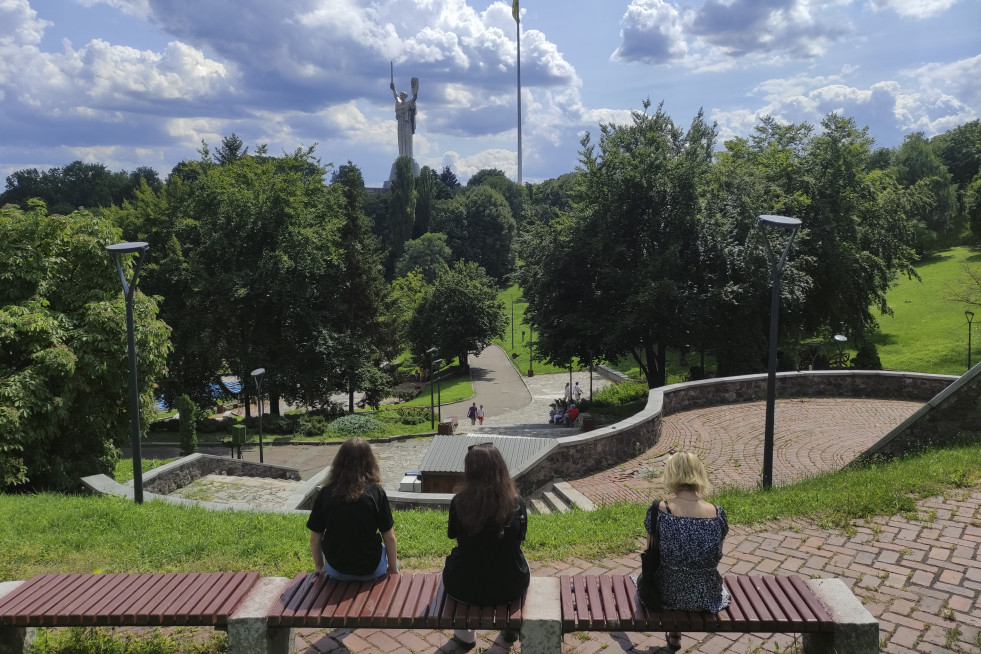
(248, 628)
(15, 640)
(856, 631)
(541, 627)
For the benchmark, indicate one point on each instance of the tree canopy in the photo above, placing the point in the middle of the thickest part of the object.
(64, 380)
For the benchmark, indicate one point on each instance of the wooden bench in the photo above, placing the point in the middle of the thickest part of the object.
(106, 600)
(406, 601)
(760, 604)
(447, 426)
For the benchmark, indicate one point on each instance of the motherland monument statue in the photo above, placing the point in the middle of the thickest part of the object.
(405, 114)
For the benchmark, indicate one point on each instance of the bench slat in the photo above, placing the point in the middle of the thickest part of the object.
(387, 598)
(173, 608)
(346, 599)
(436, 606)
(37, 599)
(112, 612)
(275, 616)
(446, 616)
(361, 599)
(470, 616)
(786, 604)
(610, 613)
(407, 613)
(812, 603)
(371, 605)
(582, 606)
(778, 615)
(232, 599)
(159, 598)
(391, 618)
(323, 603)
(50, 615)
(620, 595)
(421, 611)
(567, 599)
(596, 613)
(75, 615)
(22, 593)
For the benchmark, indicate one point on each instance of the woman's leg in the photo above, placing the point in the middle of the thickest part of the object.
(380, 570)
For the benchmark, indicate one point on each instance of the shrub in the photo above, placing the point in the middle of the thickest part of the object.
(188, 412)
(311, 425)
(867, 358)
(355, 424)
(620, 393)
(413, 416)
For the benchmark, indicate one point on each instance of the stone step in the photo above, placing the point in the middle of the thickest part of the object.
(539, 506)
(554, 502)
(572, 497)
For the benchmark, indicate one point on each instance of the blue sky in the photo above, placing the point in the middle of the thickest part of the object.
(133, 83)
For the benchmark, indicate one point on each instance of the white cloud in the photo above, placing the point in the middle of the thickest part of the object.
(137, 8)
(914, 8)
(932, 98)
(653, 33)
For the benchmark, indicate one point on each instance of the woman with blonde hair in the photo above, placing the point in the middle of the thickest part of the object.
(685, 533)
(351, 525)
(489, 520)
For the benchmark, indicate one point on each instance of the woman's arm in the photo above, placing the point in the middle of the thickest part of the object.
(393, 561)
(316, 549)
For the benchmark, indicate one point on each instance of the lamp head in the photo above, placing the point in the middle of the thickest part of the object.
(969, 315)
(258, 373)
(431, 351)
(783, 222)
(127, 247)
(841, 338)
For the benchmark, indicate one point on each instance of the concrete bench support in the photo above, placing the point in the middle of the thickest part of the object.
(15, 640)
(541, 630)
(248, 628)
(855, 632)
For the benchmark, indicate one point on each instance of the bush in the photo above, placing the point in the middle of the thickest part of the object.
(188, 412)
(620, 393)
(867, 358)
(311, 425)
(413, 416)
(355, 424)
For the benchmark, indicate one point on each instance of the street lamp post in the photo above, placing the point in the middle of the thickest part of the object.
(439, 398)
(840, 340)
(531, 351)
(590, 377)
(776, 270)
(129, 289)
(257, 376)
(432, 415)
(970, 319)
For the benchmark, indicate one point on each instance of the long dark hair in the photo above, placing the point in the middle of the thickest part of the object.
(353, 469)
(488, 495)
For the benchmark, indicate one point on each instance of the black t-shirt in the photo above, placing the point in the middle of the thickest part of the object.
(352, 531)
(488, 568)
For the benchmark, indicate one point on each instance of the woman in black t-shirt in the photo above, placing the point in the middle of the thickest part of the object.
(351, 526)
(488, 519)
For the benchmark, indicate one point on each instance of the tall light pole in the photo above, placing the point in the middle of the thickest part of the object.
(776, 270)
(432, 415)
(531, 351)
(257, 376)
(439, 398)
(129, 289)
(970, 319)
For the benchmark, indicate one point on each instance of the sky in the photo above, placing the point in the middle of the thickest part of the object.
(131, 83)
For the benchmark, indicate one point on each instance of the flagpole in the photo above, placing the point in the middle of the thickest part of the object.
(518, 24)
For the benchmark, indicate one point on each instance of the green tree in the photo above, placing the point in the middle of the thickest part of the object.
(459, 314)
(627, 250)
(479, 228)
(361, 285)
(188, 413)
(401, 209)
(76, 185)
(449, 180)
(921, 170)
(64, 381)
(427, 193)
(429, 255)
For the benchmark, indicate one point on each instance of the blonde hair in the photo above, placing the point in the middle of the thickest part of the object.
(685, 471)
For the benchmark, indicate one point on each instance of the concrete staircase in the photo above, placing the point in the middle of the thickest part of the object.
(558, 497)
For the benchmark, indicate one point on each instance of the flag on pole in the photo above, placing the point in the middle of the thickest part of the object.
(514, 11)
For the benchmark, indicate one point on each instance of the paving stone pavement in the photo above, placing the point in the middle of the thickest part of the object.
(810, 437)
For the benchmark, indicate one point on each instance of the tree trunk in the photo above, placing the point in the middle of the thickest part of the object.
(274, 404)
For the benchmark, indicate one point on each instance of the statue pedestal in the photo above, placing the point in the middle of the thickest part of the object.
(391, 174)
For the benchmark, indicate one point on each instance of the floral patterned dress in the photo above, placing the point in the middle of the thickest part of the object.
(691, 549)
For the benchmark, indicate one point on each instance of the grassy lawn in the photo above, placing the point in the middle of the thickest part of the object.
(928, 332)
(110, 534)
(451, 389)
(124, 468)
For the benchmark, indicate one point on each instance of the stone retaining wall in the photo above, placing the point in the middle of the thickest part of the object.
(177, 474)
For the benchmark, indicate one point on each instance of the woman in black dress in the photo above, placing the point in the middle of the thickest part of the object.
(690, 533)
(488, 519)
(351, 526)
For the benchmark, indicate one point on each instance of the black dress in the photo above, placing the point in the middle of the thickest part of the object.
(488, 568)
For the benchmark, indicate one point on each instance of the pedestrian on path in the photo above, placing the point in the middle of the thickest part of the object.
(480, 414)
(472, 413)
(577, 393)
(567, 393)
